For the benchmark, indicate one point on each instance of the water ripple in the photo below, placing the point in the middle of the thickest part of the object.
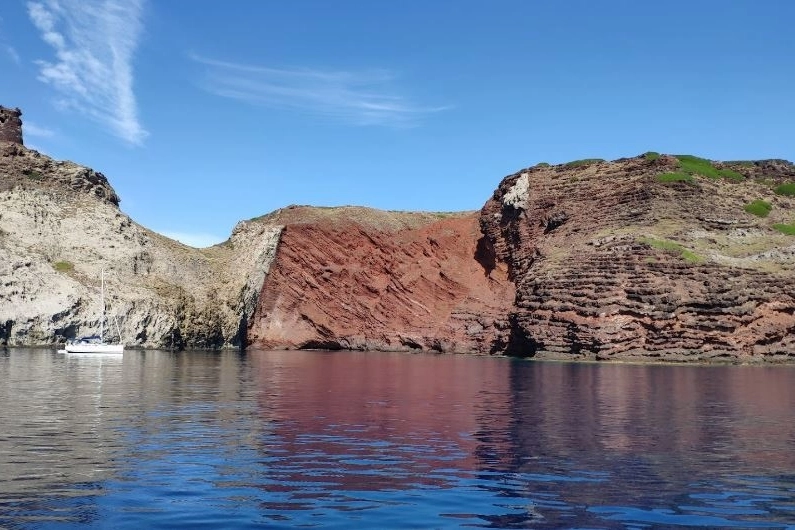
(322, 440)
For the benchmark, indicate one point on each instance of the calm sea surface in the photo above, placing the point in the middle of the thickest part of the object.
(373, 440)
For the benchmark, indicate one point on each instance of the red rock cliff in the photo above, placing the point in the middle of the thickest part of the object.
(646, 258)
(362, 279)
(654, 257)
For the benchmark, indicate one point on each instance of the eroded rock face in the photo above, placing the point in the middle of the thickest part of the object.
(593, 260)
(383, 284)
(610, 262)
(60, 225)
(10, 125)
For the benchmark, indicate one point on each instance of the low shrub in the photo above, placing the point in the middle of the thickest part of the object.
(786, 229)
(651, 155)
(730, 174)
(584, 162)
(63, 266)
(758, 208)
(693, 165)
(675, 177)
(672, 246)
(662, 244)
(787, 189)
(691, 257)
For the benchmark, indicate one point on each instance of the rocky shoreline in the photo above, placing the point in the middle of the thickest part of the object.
(655, 258)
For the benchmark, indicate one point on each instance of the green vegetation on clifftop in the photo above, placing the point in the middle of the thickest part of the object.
(584, 162)
(674, 247)
(759, 208)
(787, 189)
(693, 165)
(785, 229)
(675, 177)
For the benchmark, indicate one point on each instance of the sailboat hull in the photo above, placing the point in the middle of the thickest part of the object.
(94, 348)
(96, 343)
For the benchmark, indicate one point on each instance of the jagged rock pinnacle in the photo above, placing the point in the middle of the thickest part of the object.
(10, 125)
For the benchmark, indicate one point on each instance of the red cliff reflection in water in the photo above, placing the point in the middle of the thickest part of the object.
(419, 413)
(344, 428)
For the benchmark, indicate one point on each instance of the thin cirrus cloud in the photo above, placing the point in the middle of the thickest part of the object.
(361, 98)
(7, 49)
(12, 54)
(32, 129)
(94, 44)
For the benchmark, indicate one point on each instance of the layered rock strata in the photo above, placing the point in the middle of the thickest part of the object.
(10, 125)
(646, 258)
(612, 261)
(356, 278)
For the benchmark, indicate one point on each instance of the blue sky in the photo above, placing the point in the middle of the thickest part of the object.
(205, 113)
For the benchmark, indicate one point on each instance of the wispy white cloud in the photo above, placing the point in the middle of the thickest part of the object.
(197, 240)
(94, 43)
(12, 53)
(362, 98)
(6, 48)
(31, 129)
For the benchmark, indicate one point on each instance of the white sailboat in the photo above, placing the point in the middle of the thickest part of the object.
(96, 343)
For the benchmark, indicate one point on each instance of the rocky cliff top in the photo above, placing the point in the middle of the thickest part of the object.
(657, 256)
(709, 207)
(29, 169)
(387, 221)
(662, 257)
(60, 225)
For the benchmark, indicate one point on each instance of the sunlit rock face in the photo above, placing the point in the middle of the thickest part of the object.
(648, 258)
(10, 125)
(589, 260)
(60, 227)
(364, 279)
(616, 260)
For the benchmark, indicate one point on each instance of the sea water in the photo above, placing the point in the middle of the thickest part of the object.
(156, 439)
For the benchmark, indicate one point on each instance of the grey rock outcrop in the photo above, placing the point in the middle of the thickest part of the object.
(60, 226)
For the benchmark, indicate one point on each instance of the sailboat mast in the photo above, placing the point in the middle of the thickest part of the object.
(102, 301)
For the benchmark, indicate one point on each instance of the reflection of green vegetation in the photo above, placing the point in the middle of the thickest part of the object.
(787, 189)
(693, 165)
(63, 266)
(674, 247)
(584, 162)
(786, 229)
(674, 177)
(759, 208)
(651, 155)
